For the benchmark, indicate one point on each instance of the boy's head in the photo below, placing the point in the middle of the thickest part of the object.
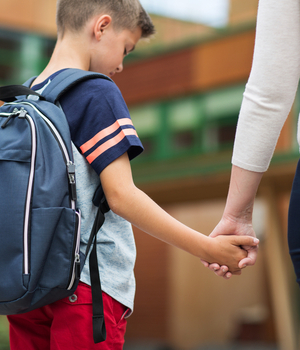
(126, 14)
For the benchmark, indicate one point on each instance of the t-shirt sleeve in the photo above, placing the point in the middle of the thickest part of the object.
(100, 123)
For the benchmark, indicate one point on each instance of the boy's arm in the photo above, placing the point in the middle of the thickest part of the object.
(127, 201)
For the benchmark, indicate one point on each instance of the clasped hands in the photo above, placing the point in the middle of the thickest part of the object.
(233, 227)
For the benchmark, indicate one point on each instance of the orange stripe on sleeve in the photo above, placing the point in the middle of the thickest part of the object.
(104, 133)
(110, 143)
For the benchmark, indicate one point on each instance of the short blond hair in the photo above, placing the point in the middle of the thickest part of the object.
(126, 14)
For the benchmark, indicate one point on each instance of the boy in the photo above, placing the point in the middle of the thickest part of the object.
(95, 35)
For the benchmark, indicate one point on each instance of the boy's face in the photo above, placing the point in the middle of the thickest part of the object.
(108, 54)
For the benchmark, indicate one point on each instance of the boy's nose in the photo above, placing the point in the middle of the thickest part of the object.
(120, 68)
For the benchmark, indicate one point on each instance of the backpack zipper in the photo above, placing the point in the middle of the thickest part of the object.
(71, 176)
(29, 191)
(76, 264)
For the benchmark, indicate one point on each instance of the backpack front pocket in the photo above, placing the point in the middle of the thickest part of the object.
(13, 195)
(55, 232)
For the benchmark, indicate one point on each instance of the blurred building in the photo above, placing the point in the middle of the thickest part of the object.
(184, 91)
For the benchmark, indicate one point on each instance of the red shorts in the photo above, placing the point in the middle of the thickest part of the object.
(67, 325)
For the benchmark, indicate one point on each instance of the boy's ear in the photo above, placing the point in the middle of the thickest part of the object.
(101, 24)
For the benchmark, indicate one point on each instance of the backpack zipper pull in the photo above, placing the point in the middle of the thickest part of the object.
(22, 113)
(14, 114)
(72, 182)
(77, 266)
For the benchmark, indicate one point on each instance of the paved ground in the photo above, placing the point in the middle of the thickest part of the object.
(253, 346)
(240, 347)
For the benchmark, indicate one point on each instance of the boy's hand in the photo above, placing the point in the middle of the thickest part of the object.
(226, 250)
(233, 227)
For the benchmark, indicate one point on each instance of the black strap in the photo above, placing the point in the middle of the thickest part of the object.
(8, 93)
(99, 330)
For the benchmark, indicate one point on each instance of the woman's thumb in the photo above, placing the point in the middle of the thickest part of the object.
(246, 240)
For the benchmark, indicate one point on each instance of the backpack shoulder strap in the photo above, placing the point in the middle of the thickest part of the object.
(66, 80)
(58, 86)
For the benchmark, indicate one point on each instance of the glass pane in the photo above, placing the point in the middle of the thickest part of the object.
(184, 114)
(223, 103)
(146, 120)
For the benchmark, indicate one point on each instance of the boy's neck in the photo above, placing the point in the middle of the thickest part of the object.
(68, 53)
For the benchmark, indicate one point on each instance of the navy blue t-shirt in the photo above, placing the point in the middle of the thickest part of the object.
(99, 120)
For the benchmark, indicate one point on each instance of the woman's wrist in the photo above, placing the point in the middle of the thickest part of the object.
(241, 194)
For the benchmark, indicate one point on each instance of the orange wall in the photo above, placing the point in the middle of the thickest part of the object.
(32, 15)
(204, 66)
(223, 62)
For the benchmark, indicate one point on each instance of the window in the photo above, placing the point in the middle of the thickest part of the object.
(22, 55)
(185, 118)
(193, 125)
(147, 121)
(221, 109)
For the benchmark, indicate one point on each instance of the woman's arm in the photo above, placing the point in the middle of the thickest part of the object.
(267, 101)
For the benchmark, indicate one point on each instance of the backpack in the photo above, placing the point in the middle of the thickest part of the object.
(40, 257)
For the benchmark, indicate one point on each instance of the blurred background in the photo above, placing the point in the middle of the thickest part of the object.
(184, 89)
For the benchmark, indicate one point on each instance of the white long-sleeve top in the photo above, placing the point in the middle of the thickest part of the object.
(272, 84)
